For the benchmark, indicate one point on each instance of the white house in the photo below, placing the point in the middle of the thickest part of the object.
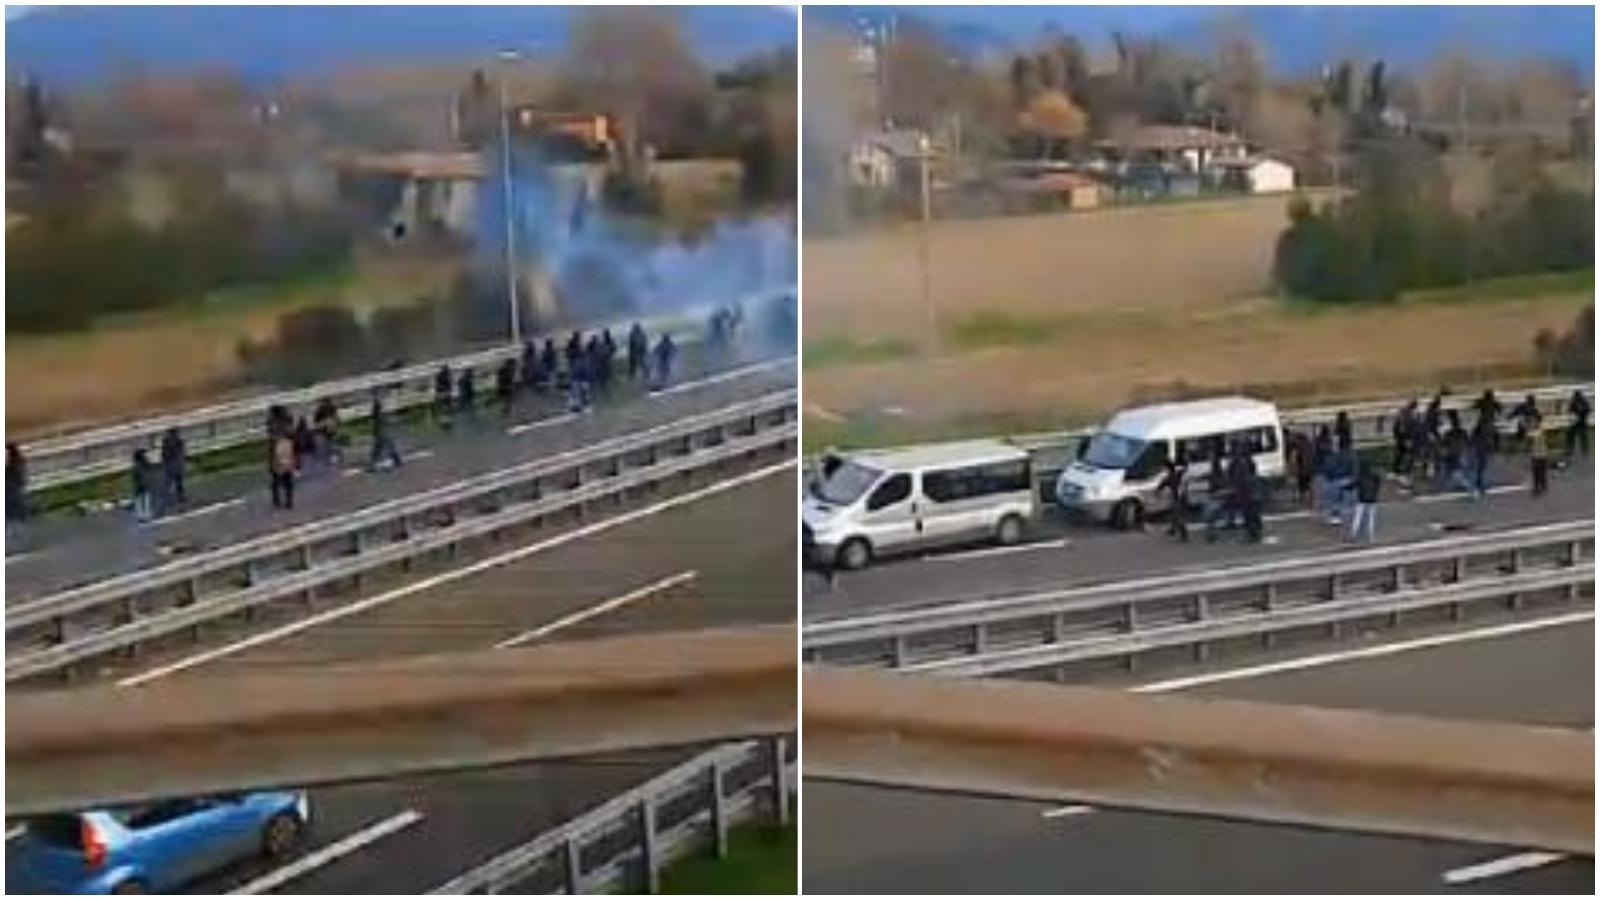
(1256, 174)
(875, 159)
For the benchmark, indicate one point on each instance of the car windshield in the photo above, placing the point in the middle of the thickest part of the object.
(1112, 451)
(846, 483)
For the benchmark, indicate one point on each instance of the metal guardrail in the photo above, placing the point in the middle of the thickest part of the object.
(1369, 422)
(639, 832)
(1122, 620)
(83, 455)
(120, 613)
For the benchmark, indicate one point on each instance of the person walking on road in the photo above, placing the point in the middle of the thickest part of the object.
(1175, 484)
(638, 353)
(1578, 429)
(281, 464)
(467, 393)
(666, 352)
(1432, 418)
(1482, 450)
(1402, 431)
(1524, 414)
(1300, 465)
(1343, 435)
(1364, 520)
(144, 484)
(549, 362)
(383, 445)
(1539, 458)
(578, 378)
(505, 386)
(16, 490)
(174, 460)
(529, 368)
(1488, 409)
(444, 387)
(326, 421)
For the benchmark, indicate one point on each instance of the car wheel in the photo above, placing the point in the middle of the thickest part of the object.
(1126, 515)
(131, 886)
(281, 834)
(1009, 531)
(855, 554)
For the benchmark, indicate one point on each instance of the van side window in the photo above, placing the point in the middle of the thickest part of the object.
(950, 485)
(945, 486)
(894, 489)
(1006, 478)
(1150, 461)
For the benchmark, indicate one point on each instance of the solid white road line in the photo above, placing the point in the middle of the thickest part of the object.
(1062, 812)
(583, 615)
(360, 606)
(1308, 662)
(202, 511)
(541, 423)
(725, 376)
(334, 851)
(1001, 551)
(1505, 865)
(13, 831)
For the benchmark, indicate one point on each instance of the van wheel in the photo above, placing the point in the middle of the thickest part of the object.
(1009, 531)
(1127, 515)
(280, 836)
(855, 554)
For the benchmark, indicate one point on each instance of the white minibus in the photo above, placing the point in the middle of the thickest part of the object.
(866, 505)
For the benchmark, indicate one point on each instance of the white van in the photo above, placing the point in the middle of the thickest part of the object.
(1115, 476)
(869, 504)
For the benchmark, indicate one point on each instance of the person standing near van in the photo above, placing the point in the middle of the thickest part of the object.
(1364, 520)
(281, 462)
(1174, 482)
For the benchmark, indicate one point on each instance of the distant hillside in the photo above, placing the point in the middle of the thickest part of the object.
(1297, 38)
(73, 45)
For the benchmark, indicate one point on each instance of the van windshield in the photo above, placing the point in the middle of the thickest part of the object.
(846, 484)
(1112, 451)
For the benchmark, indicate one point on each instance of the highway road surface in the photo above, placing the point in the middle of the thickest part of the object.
(1060, 554)
(873, 840)
(718, 553)
(64, 550)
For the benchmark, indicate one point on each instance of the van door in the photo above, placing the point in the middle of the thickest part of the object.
(1141, 478)
(948, 505)
(888, 519)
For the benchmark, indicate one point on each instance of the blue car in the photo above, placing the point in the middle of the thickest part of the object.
(154, 848)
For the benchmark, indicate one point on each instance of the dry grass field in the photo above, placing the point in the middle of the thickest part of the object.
(1050, 320)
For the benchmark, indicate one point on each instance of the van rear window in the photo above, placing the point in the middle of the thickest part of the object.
(949, 485)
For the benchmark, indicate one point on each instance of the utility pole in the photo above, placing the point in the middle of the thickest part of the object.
(924, 154)
(507, 56)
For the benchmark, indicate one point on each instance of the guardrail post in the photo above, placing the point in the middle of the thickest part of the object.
(1202, 606)
(1514, 565)
(780, 778)
(719, 810)
(1130, 617)
(979, 638)
(898, 650)
(572, 863)
(1333, 587)
(1058, 628)
(647, 845)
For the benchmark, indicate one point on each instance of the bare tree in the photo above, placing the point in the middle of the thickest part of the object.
(1055, 119)
(633, 63)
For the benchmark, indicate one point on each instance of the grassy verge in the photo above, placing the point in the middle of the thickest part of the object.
(1489, 290)
(761, 860)
(835, 351)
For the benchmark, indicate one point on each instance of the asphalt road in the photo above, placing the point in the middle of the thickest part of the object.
(1062, 554)
(64, 550)
(873, 840)
(726, 557)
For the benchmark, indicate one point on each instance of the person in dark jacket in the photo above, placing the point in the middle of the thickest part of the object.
(549, 363)
(528, 368)
(1175, 485)
(1364, 521)
(1488, 408)
(638, 352)
(1524, 414)
(305, 442)
(579, 377)
(444, 387)
(144, 483)
(1249, 493)
(1453, 451)
(16, 486)
(666, 352)
(282, 461)
(505, 386)
(1432, 417)
(574, 351)
(1482, 449)
(1344, 436)
(174, 462)
(1402, 430)
(1578, 429)
(383, 445)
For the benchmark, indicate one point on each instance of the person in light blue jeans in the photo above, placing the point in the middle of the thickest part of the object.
(1364, 519)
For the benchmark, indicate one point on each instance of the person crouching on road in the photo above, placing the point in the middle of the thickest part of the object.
(1364, 520)
(281, 463)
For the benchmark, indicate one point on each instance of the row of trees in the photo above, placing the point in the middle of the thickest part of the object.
(1400, 231)
(69, 263)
